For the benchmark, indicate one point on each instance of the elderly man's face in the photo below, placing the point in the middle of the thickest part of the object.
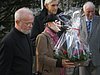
(26, 24)
(89, 12)
(52, 7)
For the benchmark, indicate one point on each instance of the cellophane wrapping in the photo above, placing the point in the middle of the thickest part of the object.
(70, 46)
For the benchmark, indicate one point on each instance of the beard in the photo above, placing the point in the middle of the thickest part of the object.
(25, 32)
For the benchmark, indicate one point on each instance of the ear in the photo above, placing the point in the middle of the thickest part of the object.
(50, 24)
(46, 6)
(17, 22)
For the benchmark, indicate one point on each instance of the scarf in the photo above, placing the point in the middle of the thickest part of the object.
(52, 34)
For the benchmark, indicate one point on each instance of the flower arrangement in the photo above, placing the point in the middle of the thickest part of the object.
(70, 46)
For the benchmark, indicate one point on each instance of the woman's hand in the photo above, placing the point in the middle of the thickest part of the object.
(68, 64)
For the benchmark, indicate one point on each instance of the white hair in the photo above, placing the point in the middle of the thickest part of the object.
(99, 9)
(20, 13)
(88, 4)
(49, 1)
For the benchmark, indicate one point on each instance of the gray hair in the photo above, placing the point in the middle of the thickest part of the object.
(20, 13)
(88, 4)
(99, 9)
(49, 1)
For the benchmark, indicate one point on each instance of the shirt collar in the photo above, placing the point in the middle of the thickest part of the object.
(87, 19)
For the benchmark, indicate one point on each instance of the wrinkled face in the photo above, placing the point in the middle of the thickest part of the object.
(89, 12)
(52, 7)
(55, 26)
(26, 24)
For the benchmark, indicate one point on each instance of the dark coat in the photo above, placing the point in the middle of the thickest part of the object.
(16, 54)
(38, 25)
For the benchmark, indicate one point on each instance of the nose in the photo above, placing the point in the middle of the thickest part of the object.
(31, 25)
(56, 7)
(91, 15)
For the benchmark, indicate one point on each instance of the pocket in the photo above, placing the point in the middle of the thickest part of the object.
(76, 71)
(91, 66)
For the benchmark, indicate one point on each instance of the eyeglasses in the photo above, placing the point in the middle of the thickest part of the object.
(27, 23)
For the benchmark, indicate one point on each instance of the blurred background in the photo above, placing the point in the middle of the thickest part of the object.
(8, 8)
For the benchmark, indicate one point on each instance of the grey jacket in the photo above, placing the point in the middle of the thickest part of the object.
(93, 39)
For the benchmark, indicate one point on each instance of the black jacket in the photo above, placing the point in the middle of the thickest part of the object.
(38, 25)
(16, 54)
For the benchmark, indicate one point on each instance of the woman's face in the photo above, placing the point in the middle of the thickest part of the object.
(55, 26)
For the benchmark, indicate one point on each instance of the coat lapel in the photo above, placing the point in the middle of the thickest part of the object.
(49, 40)
(84, 27)
(94, 26)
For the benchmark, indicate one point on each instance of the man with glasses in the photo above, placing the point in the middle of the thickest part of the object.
(16, 53)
